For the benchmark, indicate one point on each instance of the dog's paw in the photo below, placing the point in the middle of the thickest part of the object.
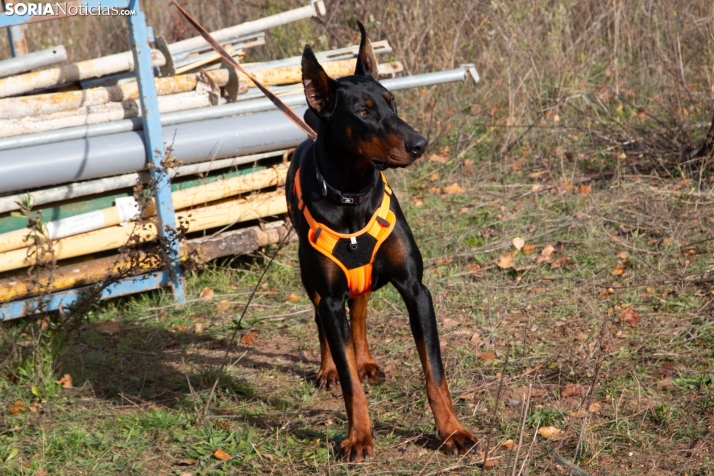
(371, 372)
(327, 378)
(357, 447)
(458, 441)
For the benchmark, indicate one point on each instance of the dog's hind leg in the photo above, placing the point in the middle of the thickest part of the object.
(367, 367)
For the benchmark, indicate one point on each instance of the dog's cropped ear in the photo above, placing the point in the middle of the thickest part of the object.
(320, 89)
(366, 60)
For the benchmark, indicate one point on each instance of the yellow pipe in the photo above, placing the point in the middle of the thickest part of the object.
(111, 238)
(89, 272)
(190, 197)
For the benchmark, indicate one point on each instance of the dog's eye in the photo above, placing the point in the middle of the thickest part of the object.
(363, 112)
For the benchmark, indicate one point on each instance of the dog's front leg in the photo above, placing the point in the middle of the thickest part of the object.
(359, 442)
(455, 437)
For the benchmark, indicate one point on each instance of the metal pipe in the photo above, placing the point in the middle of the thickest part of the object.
(49, 103)
(71, 161)
(64, 300)
(240, 107)
(229, 243)
(70, 73)
(313, 9)
(95, 187)
(102, 113)
(28, 62)
(126, 209)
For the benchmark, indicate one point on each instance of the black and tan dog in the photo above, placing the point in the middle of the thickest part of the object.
(354, 239)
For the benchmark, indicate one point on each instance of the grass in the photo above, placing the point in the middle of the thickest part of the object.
(139, 392)
(576, 138)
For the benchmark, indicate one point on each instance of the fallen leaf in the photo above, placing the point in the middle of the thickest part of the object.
(572, 390)
(518, 243)
(551, 433)
(623, 255)
(476, 337)
(108, 327)
(249, 338)
(223, 305)
(450, 323)
(546, 254)
(580, 413)
(435, 190)
(197, 328)
(603, 294)
(559, 262)
(187, 462)
(537, 174)
(490, 463)
(508, 445)
(181, 327)
(581, 336)
(293, 297)
(585, 189)
(206, 295)
(630, 316)
(222, 455)
(486, 356)
(505, 261)
(594, 407)
(35, 407)
(439, 159)
(453, 188)
(619, 269)
(433, 177)
(65, 381)
(528, 249)
(17, 407)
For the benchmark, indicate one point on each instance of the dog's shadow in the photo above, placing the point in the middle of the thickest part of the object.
(142, 364)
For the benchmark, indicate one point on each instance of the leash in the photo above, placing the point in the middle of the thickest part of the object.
(282, 107)
(221, 369)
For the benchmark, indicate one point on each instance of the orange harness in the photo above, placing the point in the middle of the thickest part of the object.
(354, 252)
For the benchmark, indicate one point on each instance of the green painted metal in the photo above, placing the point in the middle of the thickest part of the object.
(11, 222)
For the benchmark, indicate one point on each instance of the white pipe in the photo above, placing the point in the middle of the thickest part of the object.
(94, 187)
(28, 62)
(73, 72)
(114, 111)
(313, 9)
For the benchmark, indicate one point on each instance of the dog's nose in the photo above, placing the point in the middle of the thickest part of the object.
(416, 147)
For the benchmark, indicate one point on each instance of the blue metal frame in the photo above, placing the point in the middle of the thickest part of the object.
(66, 299)
(154, 145)
(140, 36)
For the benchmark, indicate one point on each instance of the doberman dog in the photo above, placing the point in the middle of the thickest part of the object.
(354, 239)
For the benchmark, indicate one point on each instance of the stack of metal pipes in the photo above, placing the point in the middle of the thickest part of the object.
(72, 153)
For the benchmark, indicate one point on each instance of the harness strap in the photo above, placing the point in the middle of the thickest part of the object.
(324, 240)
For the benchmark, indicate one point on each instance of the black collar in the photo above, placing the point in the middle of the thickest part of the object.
(342, 198)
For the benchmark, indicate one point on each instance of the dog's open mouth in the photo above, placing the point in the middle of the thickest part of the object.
(379, 164)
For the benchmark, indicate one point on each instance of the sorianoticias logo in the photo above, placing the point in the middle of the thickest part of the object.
(63, 9)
